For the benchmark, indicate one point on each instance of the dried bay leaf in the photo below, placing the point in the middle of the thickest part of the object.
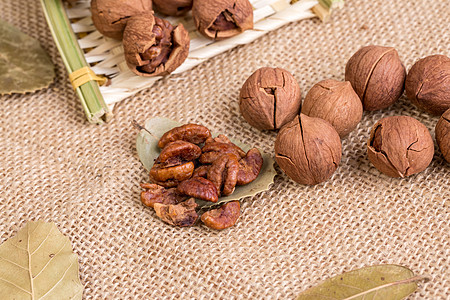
(148, 151)
(24, 65)
(39, 263)
(382, 282)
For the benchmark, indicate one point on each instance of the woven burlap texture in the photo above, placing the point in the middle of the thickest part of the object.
(54, 166)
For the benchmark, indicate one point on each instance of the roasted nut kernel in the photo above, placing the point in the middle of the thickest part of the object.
(212, 151)
(201, 171)
(223, 174)
(152, 46)
(179, 151)
(308, 150)
(222, 19)
(428, 84)
(193, 133)
(110, 16)
(173, 7)
(223, 217)
(169, 177)
(270, 98)
(182, 214)
(157, 194)
(250, 167)
(377, 76)
(443, 134)
(200, 188)
(400, 146)
(335, 102)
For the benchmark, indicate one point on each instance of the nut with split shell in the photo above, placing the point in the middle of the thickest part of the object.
(308, 150)
(173, 7)
(400, 146)
(443, 134)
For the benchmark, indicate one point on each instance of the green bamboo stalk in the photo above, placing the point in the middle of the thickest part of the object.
(73, 57)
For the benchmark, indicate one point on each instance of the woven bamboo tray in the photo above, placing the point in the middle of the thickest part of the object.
(105, 56)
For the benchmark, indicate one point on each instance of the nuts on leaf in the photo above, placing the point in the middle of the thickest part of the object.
(179, 151)
(171, 176)
(377, 76)
(250, 167)
(158, 194)
(152, 46)
(200, 188)
(308, 149)
(443, 134)
(335, 102)
(173, 7)
(223, 173)
(192, 133)
(223, 217)
(220, 19)
(400, 146)
(270, 98)
(111, 16)
(182, 214)
(428, 84)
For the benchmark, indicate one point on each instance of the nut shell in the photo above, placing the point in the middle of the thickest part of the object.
(236, 16)
(173, 7)
(308, 150)
(110, 16)
(400, 146)
(270, 98)
(335, 102)
(443, 134)
(377, 75)
(138, 38)
(428, 84)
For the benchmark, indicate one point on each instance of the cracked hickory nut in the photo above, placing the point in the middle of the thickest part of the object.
(377, 76)
(428, 84)
(270, 98)
(308, 150)
(335, 102)
(400, 146)
(152, 46)
(223, 217)
(182, 214)
(173, 7)
(110, 16)
(221, 19)
(443, 134)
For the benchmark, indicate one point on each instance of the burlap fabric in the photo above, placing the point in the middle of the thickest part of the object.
(56, 167)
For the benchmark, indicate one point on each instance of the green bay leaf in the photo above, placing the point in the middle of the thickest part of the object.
(382, 282)
(39, 263)
(148, 152)
(24, 65)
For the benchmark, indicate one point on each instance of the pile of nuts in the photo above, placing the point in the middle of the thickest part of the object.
(308, 146)
(155, 47)
(194, 165)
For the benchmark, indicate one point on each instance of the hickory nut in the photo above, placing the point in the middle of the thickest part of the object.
(110, 16)
(308, 150)
(152, 46)
(400, 146)
(428, 84)
(443, 134)
(220, 19)
(270, 98)
(173, 7)
(335, 102)
(377, 76)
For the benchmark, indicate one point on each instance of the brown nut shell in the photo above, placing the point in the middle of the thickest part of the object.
(443, 135)
(173, 7)
(158, 194)
(182, 214)
(377, 75)
(110, 16)
(200, 188)
(270, 98)
(221, 19)
(192, 133)
(153, 47)
(308, 150)
(336, 102)
(223, 217)
(400, 146)
(428, 84)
